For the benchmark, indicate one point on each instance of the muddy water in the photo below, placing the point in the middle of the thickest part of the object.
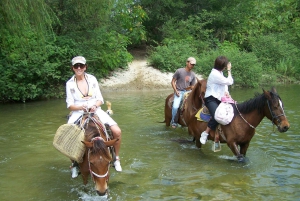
(158, 163)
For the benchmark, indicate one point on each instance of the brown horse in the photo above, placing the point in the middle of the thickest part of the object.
(247, 117)
(97, 157)
(191, 106)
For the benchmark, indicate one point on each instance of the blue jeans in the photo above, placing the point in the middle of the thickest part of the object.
(175, 106)
(212, 103)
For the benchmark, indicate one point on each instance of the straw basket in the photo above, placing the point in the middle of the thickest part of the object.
(68, 139)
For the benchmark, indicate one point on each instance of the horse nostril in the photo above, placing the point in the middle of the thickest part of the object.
(101, 194)
(286, 128)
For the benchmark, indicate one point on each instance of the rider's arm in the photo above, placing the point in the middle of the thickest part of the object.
(174, 86)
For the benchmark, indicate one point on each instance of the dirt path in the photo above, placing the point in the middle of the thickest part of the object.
(138, 76)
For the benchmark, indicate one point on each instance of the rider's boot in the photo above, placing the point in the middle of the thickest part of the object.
(74, 169)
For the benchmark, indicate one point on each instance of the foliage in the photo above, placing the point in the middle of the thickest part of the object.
(172, 55)
(35, 73)
(107, 51)
(128, 18)
(246, 69)
(276, 54)
(38, 42)
(191, 29)
(39, 38)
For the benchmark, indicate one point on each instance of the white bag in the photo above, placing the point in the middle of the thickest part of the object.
(224, 113)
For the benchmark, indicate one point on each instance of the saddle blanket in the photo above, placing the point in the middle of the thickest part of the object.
(203, 115)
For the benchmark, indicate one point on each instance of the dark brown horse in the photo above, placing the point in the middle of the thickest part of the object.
(248, 116)
(191, 106)
(97, 157)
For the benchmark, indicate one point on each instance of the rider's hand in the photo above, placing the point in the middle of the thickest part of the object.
(93, 108)
(227, 95)
(229, 66)
(84, 108)
(177, 93)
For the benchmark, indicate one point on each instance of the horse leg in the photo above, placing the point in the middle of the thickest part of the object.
(84, 173)
(168, 110)
(234, 148)
(243, 149)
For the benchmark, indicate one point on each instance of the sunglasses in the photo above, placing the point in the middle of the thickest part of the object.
(76, 66)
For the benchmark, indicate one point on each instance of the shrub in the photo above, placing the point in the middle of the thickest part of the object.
(172, 55)
(246, 69)
(276, 54)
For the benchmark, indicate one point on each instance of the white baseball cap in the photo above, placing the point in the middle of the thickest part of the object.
(78, 60)
(192, 60)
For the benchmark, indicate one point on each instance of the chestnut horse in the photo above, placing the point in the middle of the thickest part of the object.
(247, 116)
(98, 153)
(191, 105)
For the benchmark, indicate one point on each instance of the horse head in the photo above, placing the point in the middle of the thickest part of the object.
(275, 111)
(98, 158)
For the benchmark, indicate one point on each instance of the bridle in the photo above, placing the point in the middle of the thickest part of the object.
(91, 171)
(276, 117)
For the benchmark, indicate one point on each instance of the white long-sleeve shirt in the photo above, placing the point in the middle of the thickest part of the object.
(217, 84)
(75, 97)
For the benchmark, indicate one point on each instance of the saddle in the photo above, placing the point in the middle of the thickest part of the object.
(181, 105)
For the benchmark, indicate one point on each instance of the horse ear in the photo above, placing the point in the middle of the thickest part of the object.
(110, 142)
(274, 90)
(87, 144)
(267, 94)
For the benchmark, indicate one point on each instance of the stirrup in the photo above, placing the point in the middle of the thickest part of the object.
(216, 146)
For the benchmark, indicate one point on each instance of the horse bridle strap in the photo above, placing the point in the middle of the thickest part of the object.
(273, 115)
(91, 171)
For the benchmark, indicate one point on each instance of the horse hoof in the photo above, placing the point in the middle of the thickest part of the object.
(241, 159)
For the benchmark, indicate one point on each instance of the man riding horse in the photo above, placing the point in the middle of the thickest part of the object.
(183, 80)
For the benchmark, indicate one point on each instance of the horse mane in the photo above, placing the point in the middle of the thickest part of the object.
(99, 148)
(91, 131)
(194, 90)
(197, 89)
(256, 103)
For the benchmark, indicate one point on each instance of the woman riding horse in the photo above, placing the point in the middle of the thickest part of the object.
(216, 88)
(83, 94)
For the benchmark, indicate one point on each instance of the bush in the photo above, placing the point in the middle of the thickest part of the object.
(276, 54)
(246, 69)
(173, 55)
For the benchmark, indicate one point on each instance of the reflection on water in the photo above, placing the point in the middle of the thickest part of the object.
(158, 163)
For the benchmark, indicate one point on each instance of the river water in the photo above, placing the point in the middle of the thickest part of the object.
(159, 163)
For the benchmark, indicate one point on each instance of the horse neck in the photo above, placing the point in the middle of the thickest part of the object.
(255, 116)
(194, 100)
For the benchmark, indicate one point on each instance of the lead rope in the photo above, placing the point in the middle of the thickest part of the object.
(249, 123)
(243, 117)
